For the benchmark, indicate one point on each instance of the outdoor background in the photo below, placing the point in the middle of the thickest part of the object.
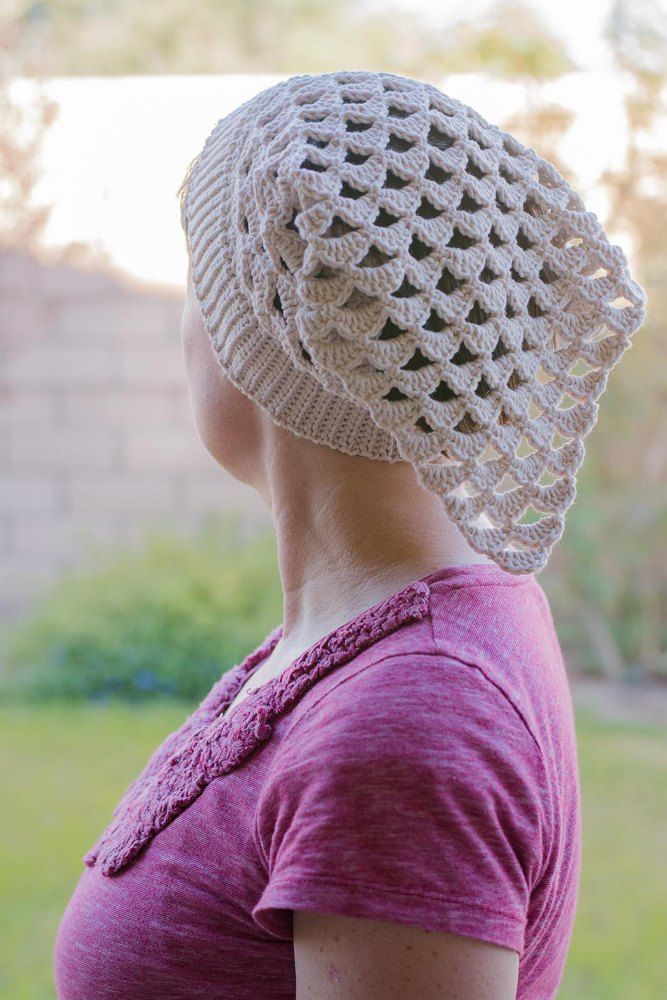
(134, 571)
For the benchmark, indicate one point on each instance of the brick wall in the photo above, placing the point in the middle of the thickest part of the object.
(96, 435)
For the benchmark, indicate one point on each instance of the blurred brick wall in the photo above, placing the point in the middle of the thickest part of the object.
(96, 434)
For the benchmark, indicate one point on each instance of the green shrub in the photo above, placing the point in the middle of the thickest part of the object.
(607, 579)
(167, 618)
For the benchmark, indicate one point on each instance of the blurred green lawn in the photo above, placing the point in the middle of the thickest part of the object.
(64, 769)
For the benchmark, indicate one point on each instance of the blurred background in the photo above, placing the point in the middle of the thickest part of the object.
(134, 570)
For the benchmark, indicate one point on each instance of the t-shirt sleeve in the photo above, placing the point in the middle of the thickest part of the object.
(412, 792)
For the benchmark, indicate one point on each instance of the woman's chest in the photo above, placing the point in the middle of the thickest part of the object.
(167, 905)
(178, 921)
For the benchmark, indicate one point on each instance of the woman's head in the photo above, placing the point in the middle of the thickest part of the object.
(384, 272)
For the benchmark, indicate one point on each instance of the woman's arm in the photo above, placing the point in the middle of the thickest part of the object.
(360, 959)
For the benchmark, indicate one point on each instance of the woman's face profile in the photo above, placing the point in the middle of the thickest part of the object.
(227, 421)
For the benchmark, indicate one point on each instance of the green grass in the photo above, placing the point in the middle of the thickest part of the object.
(618, 946)
(65, 768)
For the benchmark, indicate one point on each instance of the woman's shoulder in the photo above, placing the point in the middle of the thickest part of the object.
(470, 698)
(483, 648)
(422, 767)
(410, 704)
(502, 630)
(410, 760)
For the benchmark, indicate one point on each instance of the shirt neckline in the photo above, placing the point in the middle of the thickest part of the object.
(467, 573)
(210, 744)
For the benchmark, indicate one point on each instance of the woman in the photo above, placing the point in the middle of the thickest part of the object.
(388, 300)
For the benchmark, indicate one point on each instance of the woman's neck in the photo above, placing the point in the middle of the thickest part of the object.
(350, 532)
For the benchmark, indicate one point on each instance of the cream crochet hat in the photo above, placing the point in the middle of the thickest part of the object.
(389, 274)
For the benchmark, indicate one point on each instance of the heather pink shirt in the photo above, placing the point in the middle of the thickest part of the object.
(416, 765)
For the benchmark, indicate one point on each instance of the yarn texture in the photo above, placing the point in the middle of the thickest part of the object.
(389, 274)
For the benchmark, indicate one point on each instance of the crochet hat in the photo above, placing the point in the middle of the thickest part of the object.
(389, 274)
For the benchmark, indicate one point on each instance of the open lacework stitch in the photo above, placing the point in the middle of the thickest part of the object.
(210, 744)
(426, 267)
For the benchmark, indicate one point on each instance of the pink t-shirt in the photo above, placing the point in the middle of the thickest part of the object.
(416, 765)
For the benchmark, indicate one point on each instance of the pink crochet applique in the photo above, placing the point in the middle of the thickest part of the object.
(209, 744)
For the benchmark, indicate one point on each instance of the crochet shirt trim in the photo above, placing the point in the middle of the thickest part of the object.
(210, 744)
